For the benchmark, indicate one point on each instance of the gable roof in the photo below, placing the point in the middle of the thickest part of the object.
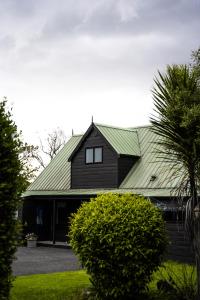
(56, 177)
(123, 141)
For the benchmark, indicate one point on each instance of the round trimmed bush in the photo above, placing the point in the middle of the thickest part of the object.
(120, 240)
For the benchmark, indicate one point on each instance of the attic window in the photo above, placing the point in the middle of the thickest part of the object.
(94, 155)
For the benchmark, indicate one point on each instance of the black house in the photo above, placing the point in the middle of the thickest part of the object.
(104, 159)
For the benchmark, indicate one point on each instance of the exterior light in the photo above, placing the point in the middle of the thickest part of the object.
(153, 178)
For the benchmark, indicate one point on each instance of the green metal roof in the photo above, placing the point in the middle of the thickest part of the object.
(140, 176)
(124, 141)
(139, 141)
(57, 175)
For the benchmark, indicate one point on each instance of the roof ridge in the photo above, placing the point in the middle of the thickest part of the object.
(76, 135)
(115, 127)
(141, 126)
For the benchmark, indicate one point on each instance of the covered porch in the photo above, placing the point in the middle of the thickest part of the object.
(48, 217)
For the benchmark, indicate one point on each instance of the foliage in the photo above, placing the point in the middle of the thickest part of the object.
(29, 170)
(177, 103)
(11, 186)
(31, 236)
(177, 281)
(120, 240)
(196, 61)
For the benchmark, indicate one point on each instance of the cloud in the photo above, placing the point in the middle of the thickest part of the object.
(90, 53)
(115, 17)
(47, 21)
(7, 42)
(18, 9)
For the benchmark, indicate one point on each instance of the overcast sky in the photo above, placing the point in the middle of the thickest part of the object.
(63, 61)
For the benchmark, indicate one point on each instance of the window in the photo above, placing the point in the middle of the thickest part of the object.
(94, 155)
(89, 156)
(39, 216)
(97, 155)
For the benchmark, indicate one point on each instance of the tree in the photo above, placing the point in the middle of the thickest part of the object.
(29, 168)
(11, 187)
(195, 65)
(176, 96)
(44, 153)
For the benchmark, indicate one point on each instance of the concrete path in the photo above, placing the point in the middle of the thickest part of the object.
(41, 260)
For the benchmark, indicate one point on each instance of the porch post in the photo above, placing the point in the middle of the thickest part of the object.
(54, 222)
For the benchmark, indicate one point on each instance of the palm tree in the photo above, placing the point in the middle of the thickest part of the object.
(176, 96)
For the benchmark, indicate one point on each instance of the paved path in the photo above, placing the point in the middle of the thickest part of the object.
(41, 260)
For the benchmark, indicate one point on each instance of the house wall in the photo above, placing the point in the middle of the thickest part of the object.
(101, 175)
(179, 247)
(125, 163)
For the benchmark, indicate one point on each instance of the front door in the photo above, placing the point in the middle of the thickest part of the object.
(61, 221)
(64, 209)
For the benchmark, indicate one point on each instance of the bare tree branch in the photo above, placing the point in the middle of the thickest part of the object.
(48, 148)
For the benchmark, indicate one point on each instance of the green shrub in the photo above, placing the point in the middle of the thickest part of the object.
(10, 188)
(120, 240)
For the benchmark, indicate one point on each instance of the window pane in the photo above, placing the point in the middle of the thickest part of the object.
(98, 155)
(89, 156)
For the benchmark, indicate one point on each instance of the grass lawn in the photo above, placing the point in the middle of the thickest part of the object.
(54, 286)
(183, 277)
(66, 285)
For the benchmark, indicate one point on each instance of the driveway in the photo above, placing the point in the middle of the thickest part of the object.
(41, 260)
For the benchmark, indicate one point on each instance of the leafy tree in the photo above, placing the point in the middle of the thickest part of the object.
(29, 168)
(176, 97)
(11, 187)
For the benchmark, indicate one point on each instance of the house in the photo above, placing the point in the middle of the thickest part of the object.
(104, 159)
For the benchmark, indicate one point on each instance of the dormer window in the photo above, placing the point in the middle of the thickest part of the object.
(94, 155)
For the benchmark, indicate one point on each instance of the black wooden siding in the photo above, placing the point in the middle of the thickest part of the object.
(125, 163)
(179, 248)
(101, 175)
